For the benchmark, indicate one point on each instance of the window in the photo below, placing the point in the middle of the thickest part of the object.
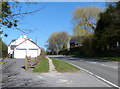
(33, 49)
(20, 49)
(13, 46)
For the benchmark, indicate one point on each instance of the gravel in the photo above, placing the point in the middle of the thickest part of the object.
(14, 75)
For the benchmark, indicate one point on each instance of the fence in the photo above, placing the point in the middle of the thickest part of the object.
(31, 62)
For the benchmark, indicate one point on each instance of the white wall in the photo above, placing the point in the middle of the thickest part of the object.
(18, 41)
(29, 49)
(20, 54)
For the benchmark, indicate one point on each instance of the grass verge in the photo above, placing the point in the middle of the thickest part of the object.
(43, 66)
(62, 66)
(99, 58)
(109, 58)
(2, 62)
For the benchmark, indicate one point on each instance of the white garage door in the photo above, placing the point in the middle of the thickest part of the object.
(20, 53)
(32, 52)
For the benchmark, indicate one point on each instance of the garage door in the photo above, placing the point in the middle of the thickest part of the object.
(20, 53)
(32, 52)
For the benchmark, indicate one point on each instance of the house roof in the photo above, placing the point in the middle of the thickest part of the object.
(26, 40)
(12, 41)
(76, 39)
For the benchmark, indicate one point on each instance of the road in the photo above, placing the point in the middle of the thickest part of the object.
(107, 70)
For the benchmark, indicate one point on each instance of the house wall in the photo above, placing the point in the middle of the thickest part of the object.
(18, 41)
(19, 54)
(27, 48)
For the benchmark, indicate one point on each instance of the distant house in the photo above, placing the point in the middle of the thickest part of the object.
(22, 47)
(76, 42)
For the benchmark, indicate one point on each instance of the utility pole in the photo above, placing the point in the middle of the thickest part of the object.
(36, 40)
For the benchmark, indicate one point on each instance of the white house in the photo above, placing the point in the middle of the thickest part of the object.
(23, 47)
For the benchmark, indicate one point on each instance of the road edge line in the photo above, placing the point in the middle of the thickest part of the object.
(100, 78)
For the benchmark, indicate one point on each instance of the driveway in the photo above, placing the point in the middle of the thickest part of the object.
(14, 75)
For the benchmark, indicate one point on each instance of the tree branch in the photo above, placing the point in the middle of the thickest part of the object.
(29, 12)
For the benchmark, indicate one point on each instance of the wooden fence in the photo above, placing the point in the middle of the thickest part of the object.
(31, 62)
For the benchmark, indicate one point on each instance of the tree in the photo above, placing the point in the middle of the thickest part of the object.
(58, 41)
(108, 29)
(6, 15)
(87, 17)
(11, 13)
(79, 35)
(79, 31)
(3, 49)
(10, 16)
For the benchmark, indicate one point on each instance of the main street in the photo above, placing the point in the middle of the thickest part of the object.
(105, 70)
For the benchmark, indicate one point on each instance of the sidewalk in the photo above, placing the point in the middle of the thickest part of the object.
(78, 79)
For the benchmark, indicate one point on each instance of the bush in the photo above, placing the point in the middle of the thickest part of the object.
(3, 50)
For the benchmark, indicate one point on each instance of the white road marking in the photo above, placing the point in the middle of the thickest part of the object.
(65, 81)
(102, 64)
(106, 81)
(113, 67)
(116, 62)
(93, 62)
(40, 77)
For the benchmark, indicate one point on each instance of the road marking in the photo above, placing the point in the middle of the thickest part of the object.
(106, 81)
(115, 67)
(40, 77)
(93, 62)
(65, 81)
(102, 64)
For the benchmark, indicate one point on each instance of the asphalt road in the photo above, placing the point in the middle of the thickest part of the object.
(107, 70)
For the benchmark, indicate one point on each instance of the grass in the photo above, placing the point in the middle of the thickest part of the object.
(62, 66)
(2, 62)
(99, 58)
(109, 58)
(43, 66)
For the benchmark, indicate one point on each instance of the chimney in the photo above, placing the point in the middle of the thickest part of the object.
(21, 36)
(25, 37)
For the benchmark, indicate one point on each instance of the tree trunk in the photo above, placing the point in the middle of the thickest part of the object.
(57, 52)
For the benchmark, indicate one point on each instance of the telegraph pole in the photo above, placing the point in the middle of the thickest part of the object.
(36, 40)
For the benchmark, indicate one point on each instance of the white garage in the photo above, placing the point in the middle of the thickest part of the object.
(19, 53)
(25, 48)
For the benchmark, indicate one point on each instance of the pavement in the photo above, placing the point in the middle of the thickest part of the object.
(51, 66)
(14, 75)
(106, 71)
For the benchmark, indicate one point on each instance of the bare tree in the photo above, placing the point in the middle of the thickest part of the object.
(87, 17)
(58, 41)
(11, 13)
(79, 31)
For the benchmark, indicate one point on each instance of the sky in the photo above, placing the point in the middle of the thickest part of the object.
(55, 17)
